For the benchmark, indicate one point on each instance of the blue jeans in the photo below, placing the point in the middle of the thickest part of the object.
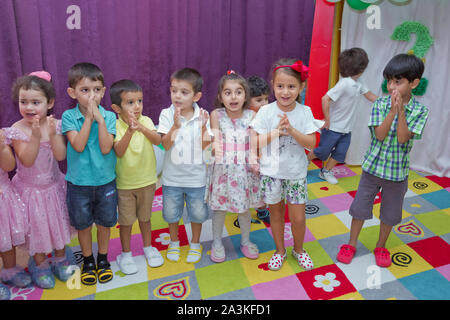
(173, 204)
(92, 204)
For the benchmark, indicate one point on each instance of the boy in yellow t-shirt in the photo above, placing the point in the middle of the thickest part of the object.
(135, 170)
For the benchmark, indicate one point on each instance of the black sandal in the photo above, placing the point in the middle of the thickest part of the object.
(104, 272)
(88, 274)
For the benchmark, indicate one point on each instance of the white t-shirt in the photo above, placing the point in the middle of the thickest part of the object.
(284, 158)
(184, 164)
(342, 108)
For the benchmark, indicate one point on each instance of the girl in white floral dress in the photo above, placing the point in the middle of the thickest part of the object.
(233, 182)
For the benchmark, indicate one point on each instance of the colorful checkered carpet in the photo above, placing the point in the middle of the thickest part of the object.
(419, 247)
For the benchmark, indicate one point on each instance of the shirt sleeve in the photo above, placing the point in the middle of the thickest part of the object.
(148, 123)
(67, 123)
(417, 122)
(259, 123)
(165, 122)
(377, 114)
(110, 120)
(336, 92)
(311, 125)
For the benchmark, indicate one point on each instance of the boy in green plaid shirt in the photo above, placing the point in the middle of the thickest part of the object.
(395, 121)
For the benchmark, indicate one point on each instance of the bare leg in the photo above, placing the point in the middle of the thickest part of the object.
(196, 231)
(125, 237)
(173, 230)
(146, 232)
(85, 239)
(331, 163)
(277, 225)
(298, 225)
(385, 231)
(103, 234)
(355, 231)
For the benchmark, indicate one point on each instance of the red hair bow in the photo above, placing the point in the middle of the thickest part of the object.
(230, 72)
(297, 66)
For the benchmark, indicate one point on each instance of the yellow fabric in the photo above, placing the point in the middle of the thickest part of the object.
(137, 167)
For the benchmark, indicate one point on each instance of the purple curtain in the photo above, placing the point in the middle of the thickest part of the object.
(146, 40)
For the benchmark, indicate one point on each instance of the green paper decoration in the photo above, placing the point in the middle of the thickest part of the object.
(418, 91)
(357, 4)
(423, 38)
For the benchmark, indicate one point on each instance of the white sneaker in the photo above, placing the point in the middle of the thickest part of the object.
(154, 258)
(328, 176)
(127, 264)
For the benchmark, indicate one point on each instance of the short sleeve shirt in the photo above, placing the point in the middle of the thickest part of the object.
(342, 109)
(184, 164)
(284, 158)
(389, 159)
(137, 167)
(90, 167)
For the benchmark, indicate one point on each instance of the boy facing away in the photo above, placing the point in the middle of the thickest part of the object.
(91, 178)
(185, 132)
(395, 121)
(136, 171)
(338, 109)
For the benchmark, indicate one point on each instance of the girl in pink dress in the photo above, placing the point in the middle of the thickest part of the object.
(12, 224)
(233, 182)
(38, 145)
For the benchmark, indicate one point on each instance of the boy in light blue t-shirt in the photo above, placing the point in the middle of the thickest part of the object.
(91, 161)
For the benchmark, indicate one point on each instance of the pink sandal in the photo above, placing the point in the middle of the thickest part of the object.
(276, 262)
(346, 253)
(382, 257)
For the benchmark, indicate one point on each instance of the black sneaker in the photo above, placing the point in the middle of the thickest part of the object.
(263, 215)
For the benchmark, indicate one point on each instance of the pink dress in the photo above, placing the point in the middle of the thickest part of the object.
(43, 190)
(231, 185)
(13, 226)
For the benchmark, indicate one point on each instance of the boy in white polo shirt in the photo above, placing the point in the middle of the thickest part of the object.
(185, 132)
(338, 107)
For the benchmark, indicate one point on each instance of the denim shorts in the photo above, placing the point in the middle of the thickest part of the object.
(92, 204)
(333, 143)
(173, 204)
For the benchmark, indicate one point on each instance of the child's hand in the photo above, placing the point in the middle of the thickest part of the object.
(36, 127)
(204, 117)
(284, 127)
(133, 123)
(51, 122)
(326, 125)
(2, 139)
(396, 101)
(176, 118)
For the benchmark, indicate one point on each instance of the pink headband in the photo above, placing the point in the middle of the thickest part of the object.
(297, 66)
(42, 74)
(230, 72)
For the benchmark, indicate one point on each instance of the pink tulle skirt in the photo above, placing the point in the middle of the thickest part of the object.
(48, 218)
(13, 225)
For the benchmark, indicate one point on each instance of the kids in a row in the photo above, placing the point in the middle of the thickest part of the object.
(258, 159)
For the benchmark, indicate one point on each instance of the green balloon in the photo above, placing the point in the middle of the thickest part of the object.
(357, 4)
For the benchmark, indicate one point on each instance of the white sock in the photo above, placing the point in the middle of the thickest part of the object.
(175, 243)
(194, 245)
(245, 225)
(126, 254)
(218, 221)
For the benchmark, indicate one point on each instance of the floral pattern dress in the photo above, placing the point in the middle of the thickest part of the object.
(231, 184)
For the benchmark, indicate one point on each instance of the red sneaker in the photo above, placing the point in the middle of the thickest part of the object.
(346, 253)
(382, 257)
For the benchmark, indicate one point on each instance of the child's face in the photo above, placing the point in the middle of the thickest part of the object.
(286, 89)
(403, 86)
(132, 102)
(84, 89)
(233, 96)
(259, 101)
(33, 103)
(182, 94)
